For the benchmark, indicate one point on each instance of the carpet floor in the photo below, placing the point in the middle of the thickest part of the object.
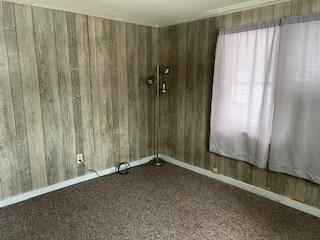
(165, 202)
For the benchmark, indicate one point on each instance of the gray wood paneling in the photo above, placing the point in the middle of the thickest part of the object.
(181, 89)
(85, 87)
(65, 93)
(22, 163)
(114, 91)
(153, 38)
(31, 94)
(10, 177)
(49, 92)
(102, 29)
(70, 84)
(95, 89)
(132, 54)
(193, 51)
(75, 84)
(122, 91)
(143, 90)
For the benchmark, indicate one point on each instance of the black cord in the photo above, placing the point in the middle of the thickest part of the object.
(119, 170)
(90, 170)
(125, 170)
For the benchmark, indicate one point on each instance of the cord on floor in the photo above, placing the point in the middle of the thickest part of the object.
(122, 168)
(89, 169)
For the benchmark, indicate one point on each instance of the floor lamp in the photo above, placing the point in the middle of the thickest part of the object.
(159, 88)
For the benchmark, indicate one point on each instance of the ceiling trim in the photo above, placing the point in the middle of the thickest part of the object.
(230, 9)
(118, 19)
(206, 14)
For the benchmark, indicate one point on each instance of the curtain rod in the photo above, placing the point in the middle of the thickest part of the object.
(273, 23)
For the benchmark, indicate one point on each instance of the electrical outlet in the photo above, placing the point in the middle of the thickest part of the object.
(79, 158)
(215, 170)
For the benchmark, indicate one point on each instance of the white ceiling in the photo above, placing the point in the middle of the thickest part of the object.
(151, 12)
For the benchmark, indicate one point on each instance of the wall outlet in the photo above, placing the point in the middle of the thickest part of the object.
(298, 199)
(79, 158)
(215, 170)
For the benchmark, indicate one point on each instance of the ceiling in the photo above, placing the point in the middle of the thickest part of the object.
(151, 12)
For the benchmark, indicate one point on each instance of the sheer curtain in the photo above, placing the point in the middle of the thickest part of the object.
(242, 98)
(295, 142)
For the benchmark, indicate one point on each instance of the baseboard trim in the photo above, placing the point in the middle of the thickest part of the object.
(247, 187)
(28, 195)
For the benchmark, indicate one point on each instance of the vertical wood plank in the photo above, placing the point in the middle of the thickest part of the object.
(49, 92)
(102, 30)
(181, 90)
(108, 98)
(168, 114)
(114, 91)
(31, 95)
(300, 190)
(152, 44)
(133, 91)
(194, 85)
(171, 81)
(1, 191)
(312, 194)
(76, 96)
(143, 89)
(85, 87)
(192, 68)
(282, 183)
(21, 138)
(297, 7)
(10, 179)
(96, 164)
(122, 91)
(22, 162)
(201, 89)
(65, 94)
(188, 102)
(282, 10)
(164, 122)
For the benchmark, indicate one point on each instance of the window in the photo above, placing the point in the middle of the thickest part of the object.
(295, 141)
(242, 99)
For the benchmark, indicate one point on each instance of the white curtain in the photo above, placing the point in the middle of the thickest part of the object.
(295, 141)
(242, 99)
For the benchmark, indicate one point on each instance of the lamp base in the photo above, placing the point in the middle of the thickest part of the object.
(157, 162)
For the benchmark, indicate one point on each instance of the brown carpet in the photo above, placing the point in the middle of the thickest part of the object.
(154, 203)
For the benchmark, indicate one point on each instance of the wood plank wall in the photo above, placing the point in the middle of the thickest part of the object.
(189, 49)
(71, 84)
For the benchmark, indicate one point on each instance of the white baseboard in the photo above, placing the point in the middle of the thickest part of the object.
(25, 196)
(250, 188)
